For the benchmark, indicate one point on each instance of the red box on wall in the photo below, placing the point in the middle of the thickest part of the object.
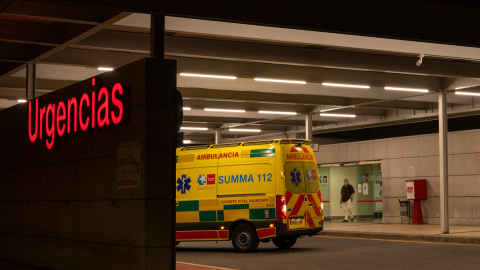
(416, 189)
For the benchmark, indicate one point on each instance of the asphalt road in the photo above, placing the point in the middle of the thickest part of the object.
(323, 252)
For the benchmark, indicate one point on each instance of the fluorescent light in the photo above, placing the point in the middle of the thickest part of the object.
(346, 85)
(208, 76)
(276, 112)
(244, 130)
(463, 87)
(223, 110)
(193, 128)
(467, 93)
(187, 141)
(187, 108)
(338, 115)
(406, 89)
(279, 81)
(21, 100)
(105, 68)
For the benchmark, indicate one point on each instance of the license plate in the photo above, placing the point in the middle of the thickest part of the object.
(297, 221)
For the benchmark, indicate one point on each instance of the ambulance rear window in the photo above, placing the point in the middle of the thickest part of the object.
(301, 177)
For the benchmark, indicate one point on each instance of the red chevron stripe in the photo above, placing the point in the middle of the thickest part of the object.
(288, 196)
(315, 205)
(298, 205)
(309, 219)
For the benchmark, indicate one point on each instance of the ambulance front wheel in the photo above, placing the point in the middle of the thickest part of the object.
(244, 238)
(284, 243)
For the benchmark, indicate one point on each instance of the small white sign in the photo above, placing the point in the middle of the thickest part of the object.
(365, 188)
(128, 165)
(359, 188)
(410, 190)
(315, 147)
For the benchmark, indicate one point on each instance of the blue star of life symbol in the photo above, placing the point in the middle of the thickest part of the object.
(201, 179)
(309, 174)
(295, 177)
(183, 184)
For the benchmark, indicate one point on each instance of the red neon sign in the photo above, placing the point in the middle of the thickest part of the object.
(55, 115)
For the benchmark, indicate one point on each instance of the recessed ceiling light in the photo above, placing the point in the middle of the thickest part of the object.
(406, 89)
(223, 110)
(193, 128)
(346, 85)
(277, 112)
(244, 130)
(21, 100)
(105, 68)
(208, 76)
(187, 108)
(187, 141)
(338, 115)
(279, 81)
(467, 93)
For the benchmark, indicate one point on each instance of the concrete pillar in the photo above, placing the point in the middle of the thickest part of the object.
(31, 81)
(443, 151)
(218, 136)
(157, 36)
(308, 127)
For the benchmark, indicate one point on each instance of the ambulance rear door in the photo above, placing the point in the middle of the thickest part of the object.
(303, 196)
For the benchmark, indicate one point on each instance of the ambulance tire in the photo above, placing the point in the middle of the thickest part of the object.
(244, 238)
(284, 243)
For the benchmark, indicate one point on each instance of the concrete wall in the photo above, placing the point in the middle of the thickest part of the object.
(62, 208)
(416, 157)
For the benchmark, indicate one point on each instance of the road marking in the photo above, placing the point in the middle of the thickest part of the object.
(198, 266)
(404, 241)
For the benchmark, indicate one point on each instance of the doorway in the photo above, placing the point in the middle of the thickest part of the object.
(366, 179)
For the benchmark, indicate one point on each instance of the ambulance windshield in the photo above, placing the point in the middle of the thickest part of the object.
(301, 177)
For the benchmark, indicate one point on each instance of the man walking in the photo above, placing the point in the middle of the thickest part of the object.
(346, 199)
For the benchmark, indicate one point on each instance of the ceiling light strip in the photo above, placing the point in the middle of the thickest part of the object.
(346, 85)
(277, 112)
(244, 130)
(105, 68)
(467, 93)
(338, 115)
(406, 89)
(208, 76)
(224, 110)
(193, 128)
(279, 81)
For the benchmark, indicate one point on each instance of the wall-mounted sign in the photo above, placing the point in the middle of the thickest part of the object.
(86, 112)
(129, 162)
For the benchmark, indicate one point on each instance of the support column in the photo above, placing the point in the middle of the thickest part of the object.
(443, 151)
(218, 136)
(31, 81)
(308, 127)
(157, 36)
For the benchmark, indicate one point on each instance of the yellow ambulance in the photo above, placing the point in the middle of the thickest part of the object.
(248, 192)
